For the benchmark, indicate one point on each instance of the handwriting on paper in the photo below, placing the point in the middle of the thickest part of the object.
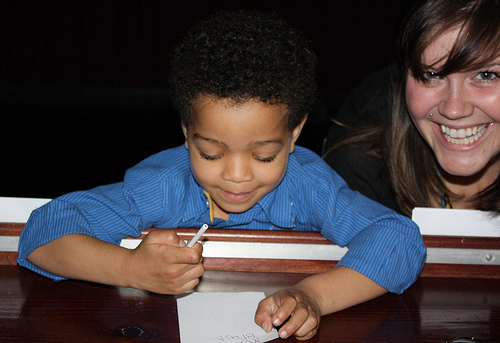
(221, 318)
(246, 338)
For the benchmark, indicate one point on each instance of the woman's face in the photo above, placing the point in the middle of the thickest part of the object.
(457, 114)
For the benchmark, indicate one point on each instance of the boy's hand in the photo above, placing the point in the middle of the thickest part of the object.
(163, 264)
(294, 307)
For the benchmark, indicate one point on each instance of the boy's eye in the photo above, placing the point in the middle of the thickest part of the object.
(265, 159)
(210, 157)
(487, 76)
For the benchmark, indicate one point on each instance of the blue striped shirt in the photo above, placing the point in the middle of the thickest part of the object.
(161, 192)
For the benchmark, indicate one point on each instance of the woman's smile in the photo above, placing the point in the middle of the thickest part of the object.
(467, 137)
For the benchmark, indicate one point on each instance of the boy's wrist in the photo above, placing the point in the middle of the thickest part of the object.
(125, 268)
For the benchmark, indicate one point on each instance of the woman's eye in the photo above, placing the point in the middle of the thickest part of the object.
(210, 157)
(487, 76)
(430, 75)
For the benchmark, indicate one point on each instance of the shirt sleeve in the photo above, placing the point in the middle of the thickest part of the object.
(382, 245)
(109, 213)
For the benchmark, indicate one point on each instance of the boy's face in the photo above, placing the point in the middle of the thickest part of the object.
(238, 152)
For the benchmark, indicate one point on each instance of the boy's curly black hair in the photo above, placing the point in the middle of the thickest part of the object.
(243, 55)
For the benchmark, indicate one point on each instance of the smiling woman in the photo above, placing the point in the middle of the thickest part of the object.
(462, 133)
(441, 145)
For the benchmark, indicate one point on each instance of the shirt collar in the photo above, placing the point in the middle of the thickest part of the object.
(276, 205)
(197, 202)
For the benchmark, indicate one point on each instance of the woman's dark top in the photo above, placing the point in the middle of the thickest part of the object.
(366, 106)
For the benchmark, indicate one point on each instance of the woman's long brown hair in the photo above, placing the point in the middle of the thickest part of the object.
(411, 164)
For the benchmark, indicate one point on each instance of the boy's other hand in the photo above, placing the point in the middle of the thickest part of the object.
(163, 264)
(293, 309)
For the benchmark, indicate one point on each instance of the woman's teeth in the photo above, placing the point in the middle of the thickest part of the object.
(463, 136)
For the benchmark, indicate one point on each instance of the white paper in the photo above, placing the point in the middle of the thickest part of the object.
(221, 318)
(18, 210)
(455, 222)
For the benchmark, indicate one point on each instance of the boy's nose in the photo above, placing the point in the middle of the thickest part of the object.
(237, 169)
(454, 104)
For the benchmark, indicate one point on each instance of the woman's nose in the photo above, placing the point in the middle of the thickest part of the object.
(455, 104)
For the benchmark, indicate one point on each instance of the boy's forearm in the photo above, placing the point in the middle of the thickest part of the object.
(340, 288)
(78, 256)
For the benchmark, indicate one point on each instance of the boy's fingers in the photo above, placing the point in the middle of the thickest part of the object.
(264, 313)
(285, 310)
(193, 281)
(185, 255)
(308, 329)
(301, 324)
(292, 325)
(162, 237)
(186, 279)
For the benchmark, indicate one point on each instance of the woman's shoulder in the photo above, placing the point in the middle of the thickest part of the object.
(364, 173)
(367, 106)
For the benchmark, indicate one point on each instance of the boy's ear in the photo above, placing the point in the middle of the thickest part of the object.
(184, 130)
(296, 133)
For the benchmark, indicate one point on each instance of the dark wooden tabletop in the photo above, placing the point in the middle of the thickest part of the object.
(36, 309)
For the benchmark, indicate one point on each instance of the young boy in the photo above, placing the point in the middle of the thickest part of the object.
(243, 83)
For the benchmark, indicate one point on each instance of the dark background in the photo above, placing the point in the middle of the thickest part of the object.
(83, 83)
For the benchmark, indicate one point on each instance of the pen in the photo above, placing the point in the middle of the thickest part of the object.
(196, 237)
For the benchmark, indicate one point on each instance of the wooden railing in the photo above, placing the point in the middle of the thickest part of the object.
(450, 249)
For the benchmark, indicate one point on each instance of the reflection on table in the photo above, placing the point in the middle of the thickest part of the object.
(36, 309)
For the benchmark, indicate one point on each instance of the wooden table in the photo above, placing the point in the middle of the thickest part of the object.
(36, 309)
